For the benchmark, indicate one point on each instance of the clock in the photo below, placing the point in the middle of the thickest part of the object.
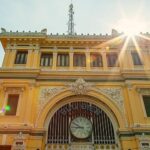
(81, 127)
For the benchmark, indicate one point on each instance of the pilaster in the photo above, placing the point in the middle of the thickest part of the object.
(6, 58)
(104, 60)
(146, 59)
(87, 54)
(12, 58)
(54, 60)
(128, 63)
(29, 59)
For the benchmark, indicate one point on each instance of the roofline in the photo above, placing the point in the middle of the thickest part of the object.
(43, 33)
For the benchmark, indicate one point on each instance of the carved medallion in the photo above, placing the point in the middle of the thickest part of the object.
(79, 87)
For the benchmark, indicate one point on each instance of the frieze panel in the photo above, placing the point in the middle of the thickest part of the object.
(144, 91)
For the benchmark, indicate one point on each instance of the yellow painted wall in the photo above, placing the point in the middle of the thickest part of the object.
(28, 118)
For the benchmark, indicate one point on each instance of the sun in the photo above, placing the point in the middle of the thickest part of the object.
(131, 27)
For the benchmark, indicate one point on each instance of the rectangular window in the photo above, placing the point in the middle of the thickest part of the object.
(12, 104)
(112, 59)
(5, 147)
(63, 60)
(21, 57)
(136, 59)
(146, 100)
(145, 145)
(79, 60)
(96, 60)
(46, 59)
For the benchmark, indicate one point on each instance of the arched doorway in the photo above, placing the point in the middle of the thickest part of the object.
(81, 125)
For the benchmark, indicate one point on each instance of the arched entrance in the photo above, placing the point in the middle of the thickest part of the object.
(81, 125)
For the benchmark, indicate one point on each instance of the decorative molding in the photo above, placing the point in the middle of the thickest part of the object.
(129, 85)
(19, 142)
(144, 91)
(144, 142)
(19, 136)
(114, 94)
(79, 87)
(33, 84)
(46, 94)
(1, 83)
(13, 90)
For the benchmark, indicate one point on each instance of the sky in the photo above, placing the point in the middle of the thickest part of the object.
(91, 16)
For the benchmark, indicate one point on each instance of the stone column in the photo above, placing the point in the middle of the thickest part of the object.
(128, 63)
(35, 61)
(145, 60)
(71, 60)
(54, 61)
(104, 60)
(29, 59)
(133, 104)
(29, 103)
(6, 58)
(87, 54)
(12, 57)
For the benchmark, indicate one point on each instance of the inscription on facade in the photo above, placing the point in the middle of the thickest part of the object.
(82, 107)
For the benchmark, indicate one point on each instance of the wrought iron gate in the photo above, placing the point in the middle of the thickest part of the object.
(102, 136)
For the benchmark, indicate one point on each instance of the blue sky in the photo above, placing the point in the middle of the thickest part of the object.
(91, 16)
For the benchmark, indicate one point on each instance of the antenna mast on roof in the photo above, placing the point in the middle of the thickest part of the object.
(71, 20)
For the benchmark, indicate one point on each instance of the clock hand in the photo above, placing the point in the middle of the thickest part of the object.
(76, 124)
(78, 127)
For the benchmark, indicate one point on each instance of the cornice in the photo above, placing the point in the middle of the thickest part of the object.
(43, 33)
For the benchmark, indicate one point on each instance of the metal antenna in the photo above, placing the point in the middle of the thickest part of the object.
(71, 20)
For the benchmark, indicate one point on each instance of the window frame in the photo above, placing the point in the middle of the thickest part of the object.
(140, 63)
(65, 61)
(9, 92)
(97, 54)
(108, 60)
(49, 61)
(16, 106)
(143, 105)
(84, 61)
(18, 62)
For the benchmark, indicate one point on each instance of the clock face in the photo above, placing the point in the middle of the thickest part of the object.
(81, 127)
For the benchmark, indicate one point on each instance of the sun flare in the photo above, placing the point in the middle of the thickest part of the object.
(131, 27)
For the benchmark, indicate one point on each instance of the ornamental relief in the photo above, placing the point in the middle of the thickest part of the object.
(81, 87)
(48, 93)
(144, 91)
(114, 94)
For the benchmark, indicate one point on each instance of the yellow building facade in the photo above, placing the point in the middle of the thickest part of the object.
(74, 92)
